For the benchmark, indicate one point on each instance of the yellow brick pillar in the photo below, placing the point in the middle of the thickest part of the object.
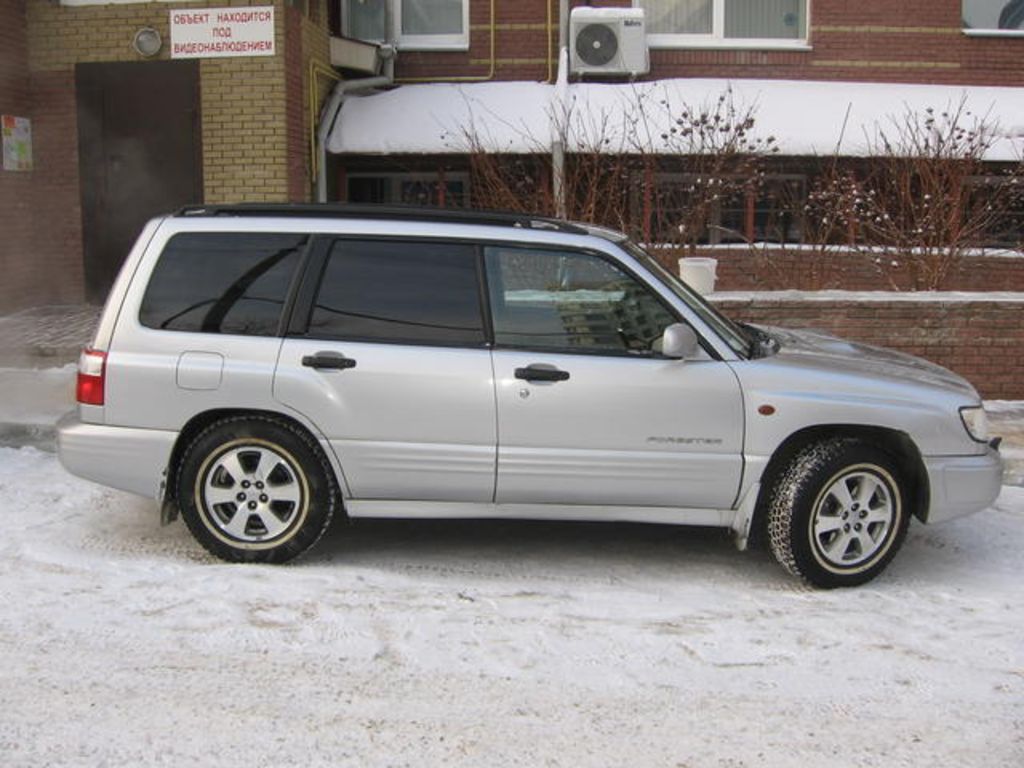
(242, 102)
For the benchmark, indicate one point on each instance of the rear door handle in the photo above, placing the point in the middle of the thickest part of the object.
(328, 360)
(534, 373)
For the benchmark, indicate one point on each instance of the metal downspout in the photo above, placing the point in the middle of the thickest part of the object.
(559, 133)
(563, 24)
(560, 115)
(329, 117)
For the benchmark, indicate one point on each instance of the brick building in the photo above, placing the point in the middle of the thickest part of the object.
(918, 41)
(120, 131)
(118, 135)
(797, 61)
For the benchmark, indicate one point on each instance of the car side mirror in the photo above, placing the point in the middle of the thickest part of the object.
(679, 341)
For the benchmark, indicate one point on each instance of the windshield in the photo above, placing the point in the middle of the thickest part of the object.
(738, 340)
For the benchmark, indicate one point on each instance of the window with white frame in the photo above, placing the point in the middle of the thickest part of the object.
(725, 23)
(993, 17)
(410, 24)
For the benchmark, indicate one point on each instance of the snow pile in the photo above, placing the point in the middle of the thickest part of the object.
(493, 644)
(36, 395)
(34, 399)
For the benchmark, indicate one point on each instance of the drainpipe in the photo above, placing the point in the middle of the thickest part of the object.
(560, 113)
(332, 109)
(563, 25)
(559, 132)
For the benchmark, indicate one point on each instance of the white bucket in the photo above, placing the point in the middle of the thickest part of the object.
(699, 273)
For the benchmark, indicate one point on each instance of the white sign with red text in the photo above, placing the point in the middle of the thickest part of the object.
(214, 32)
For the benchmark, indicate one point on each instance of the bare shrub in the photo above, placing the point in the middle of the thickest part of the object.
(922, 199)
(719, 160)
(611, 168)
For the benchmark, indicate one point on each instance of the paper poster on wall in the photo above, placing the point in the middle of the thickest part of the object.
(17, 141)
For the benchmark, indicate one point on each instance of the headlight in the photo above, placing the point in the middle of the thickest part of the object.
(975, 422)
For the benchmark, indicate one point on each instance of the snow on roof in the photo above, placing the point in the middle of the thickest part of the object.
(804, 117)
(434, 118)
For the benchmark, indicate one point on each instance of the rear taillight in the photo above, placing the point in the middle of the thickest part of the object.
(92, 369)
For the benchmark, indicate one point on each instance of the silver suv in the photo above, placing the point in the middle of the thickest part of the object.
(261, 368)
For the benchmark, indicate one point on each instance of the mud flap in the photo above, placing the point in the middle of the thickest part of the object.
(168, 505)
(744, 517)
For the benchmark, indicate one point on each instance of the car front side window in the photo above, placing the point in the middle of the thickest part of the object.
(570, 301)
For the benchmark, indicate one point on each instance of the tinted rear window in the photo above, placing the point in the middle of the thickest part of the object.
(400, 292)
(222, 282)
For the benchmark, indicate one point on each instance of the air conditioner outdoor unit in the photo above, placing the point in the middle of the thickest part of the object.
(608, 41)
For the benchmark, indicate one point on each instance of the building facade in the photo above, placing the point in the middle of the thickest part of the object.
(915, 41)
(122, 114)
(120, 134)
(868, 63)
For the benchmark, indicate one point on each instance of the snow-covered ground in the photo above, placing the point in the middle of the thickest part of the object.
(493, 644)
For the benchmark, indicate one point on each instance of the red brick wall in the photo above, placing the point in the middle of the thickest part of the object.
(13, 55)
(15, 187)
(743, 269)
(55, 268)
(982, 340)
(917, 41)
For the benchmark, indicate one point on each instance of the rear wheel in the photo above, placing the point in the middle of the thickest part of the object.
(838, 514)
(256, 489)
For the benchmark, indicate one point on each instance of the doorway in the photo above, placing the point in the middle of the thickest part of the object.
(139, 152)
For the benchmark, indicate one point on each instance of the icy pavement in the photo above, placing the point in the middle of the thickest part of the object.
(493, 644)
(53, 334)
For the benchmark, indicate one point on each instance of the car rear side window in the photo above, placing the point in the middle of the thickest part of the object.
(400, 291)
(225, 282)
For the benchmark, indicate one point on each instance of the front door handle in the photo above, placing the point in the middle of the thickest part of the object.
(328, 360)
(535, 373)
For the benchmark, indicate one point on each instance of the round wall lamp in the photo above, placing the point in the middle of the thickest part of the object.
(147, 42)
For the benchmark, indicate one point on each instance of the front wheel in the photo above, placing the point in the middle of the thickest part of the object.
(838, 514)
(255, 489)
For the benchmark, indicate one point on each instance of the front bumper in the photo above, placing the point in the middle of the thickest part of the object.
(129, 459)
(962, 485)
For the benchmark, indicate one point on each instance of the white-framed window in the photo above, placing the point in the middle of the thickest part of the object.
(725, 23)
(437, 25)
(993, 18)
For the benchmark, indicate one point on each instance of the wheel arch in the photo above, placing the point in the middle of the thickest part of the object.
(194, 426)
(897, 444)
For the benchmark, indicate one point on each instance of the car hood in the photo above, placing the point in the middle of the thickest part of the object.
(840, 355)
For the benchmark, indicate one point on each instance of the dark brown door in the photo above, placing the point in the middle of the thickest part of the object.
(139, 155)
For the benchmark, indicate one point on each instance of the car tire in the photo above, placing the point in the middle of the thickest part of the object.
(256, 489)
(839, 513)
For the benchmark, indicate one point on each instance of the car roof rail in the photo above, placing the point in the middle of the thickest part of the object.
(370, 211)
